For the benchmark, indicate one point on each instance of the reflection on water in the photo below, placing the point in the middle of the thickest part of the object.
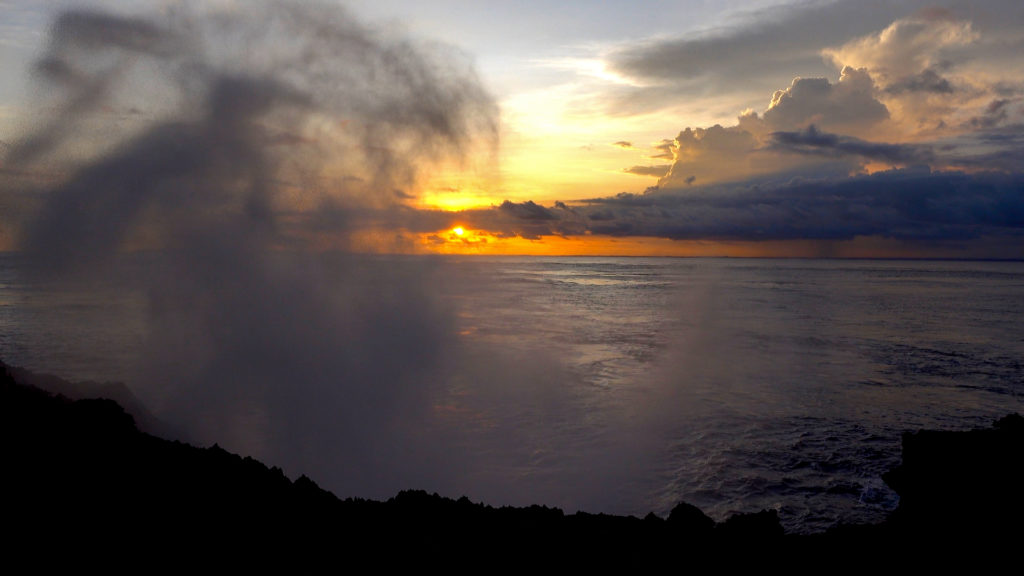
(634, 383)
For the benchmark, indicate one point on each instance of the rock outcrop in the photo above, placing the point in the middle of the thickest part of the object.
(80, 479)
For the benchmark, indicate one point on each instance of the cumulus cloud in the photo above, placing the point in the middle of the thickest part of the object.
(937, 68)
(848, 105)
(713, 154)
(786, 139)
(908, 47)
(750, 149)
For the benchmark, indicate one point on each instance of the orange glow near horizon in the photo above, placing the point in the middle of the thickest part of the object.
(480, 242)
(463, 241)
(471, 242)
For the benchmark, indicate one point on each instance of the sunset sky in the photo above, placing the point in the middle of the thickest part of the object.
(834, 129)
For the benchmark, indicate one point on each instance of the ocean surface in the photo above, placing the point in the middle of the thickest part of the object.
(626, 385)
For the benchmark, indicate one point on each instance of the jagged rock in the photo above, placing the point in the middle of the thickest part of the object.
(961, 484)
(689, 521)
(71, 466)
(760, 526)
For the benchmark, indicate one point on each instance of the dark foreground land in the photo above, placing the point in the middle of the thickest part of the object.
(82, 485)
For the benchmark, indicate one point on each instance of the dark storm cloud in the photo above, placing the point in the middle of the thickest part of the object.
(814, 141)
(909, 204)
(527, 220)
(912, 205)
(528, 210)
(997, 148)
(625, 199)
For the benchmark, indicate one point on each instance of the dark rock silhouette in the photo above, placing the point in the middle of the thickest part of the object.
(690, 522)
(961, 484)
(115, 391)
(81, 479)
(759, 527)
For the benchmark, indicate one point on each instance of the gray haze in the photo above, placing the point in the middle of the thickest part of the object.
(243, 140)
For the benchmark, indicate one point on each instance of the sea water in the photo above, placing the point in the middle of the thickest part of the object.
(732, 384)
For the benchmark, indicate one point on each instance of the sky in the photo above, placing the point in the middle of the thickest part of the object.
(811, 129)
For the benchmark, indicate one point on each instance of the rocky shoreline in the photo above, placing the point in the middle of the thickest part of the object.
(81, 477)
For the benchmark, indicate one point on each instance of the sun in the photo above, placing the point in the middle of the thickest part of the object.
(459, 230)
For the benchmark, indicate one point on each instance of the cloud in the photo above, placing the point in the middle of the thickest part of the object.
(913, 205)
(758, 145)
(714, 154)
(656, 171)
(991, 148)
(798, 172)
(927, 81)
(874, 153)
(995, 113)
(526, 210)
(935, 68)
(526, 220)
(926, 63)
(749, 56)
(911, 95)
(848, 105)
(664, 149)
(814, 141)
(908, 48)
(623, 144)
(719, 154)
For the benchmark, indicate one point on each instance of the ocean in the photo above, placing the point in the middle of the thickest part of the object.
(617, 385)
